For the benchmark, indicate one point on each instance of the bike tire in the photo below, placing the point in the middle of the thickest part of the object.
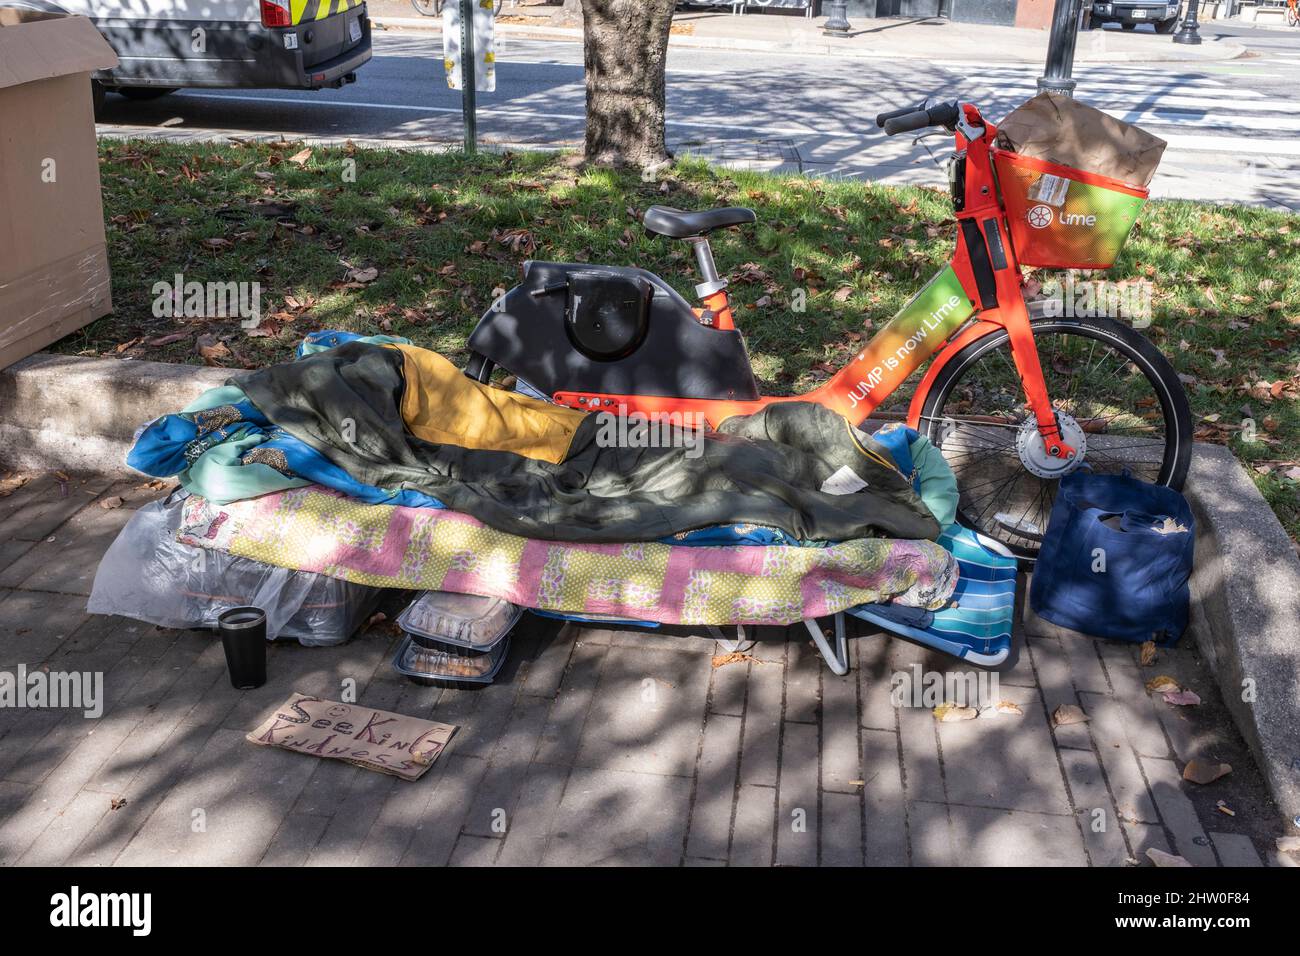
(1121, 339)
(428, 8)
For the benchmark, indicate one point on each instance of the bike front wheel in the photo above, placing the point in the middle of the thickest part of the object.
(428, 8)
(1117, 400)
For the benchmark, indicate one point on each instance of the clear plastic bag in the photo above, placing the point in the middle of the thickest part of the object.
(148, 575)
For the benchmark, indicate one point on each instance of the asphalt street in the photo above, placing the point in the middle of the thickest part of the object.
(1232, 126)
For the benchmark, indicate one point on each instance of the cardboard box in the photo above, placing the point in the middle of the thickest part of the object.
(53, 261)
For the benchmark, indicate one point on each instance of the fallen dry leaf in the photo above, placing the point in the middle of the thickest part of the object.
(1203, 772)
(168, 339)
(110, 503)
(948, 713)
(117, 803)
(300, 158)
(368, 274)
(1148, 653)
(1161, 858)
(1182, 698)
(211, 348)
(1067, 714)
(1162, 684)
(735, 657)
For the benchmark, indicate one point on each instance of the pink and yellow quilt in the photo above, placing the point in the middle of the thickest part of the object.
(317, 529)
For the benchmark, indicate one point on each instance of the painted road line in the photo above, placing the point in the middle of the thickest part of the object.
(1272, 124)
(1175, 102)
(1232, 145)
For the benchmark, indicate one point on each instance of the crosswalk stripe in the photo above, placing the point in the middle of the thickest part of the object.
(1274, 124)
(1235, 145)
(1090, 91)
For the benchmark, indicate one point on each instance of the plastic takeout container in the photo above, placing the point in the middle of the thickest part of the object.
(439, 618)
(450, 664)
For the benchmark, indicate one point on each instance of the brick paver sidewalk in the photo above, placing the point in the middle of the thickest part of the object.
(593, 746)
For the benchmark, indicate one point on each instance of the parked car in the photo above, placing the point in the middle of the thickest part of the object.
(1163, 14)
(165, 45)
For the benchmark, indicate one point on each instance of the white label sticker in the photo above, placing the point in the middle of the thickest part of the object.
(844, 482)
(1049, 189)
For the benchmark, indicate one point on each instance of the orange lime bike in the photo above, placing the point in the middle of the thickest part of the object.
(1014, 402)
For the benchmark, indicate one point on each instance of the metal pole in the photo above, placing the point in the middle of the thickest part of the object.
(467, 74)
(1060, 48)
(1187, 32)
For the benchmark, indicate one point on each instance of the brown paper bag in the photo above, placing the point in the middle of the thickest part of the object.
(1062, 130)
(374, 739)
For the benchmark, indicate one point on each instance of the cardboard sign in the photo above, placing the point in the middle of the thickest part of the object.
(375, 739)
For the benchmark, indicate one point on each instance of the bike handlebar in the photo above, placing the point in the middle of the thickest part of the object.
(882, 118)
(904, 121)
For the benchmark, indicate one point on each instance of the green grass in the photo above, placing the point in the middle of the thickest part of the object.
(444, 230)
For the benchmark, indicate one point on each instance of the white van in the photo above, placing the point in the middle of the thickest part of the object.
(165, 45)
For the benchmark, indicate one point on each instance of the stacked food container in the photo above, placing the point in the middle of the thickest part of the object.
(454, 639)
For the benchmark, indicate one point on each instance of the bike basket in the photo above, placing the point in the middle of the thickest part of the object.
(1065, 218)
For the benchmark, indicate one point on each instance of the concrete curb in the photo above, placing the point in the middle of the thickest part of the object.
(830, 47)
(81, 414)
(1245, 613)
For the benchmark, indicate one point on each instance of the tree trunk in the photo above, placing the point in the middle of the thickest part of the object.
(625, 50)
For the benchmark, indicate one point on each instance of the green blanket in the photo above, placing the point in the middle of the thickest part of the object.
(768, 468)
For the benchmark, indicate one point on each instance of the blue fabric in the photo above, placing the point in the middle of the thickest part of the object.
(1105, 570)
(177, 444)
(594, 621)
(897, 440)
(330, 338)
(169, 445)
(728, 534)
(924, 466)
(977, 622)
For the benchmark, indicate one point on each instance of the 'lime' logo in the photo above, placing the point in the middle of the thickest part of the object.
(1040, 217)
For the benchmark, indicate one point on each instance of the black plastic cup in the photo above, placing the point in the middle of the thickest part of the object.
(243, 635)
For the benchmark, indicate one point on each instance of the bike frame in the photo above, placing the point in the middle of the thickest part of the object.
(982, 279)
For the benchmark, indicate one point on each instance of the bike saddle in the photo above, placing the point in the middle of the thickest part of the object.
(681, 224)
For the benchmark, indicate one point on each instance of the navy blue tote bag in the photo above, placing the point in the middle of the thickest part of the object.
(1116, 559)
